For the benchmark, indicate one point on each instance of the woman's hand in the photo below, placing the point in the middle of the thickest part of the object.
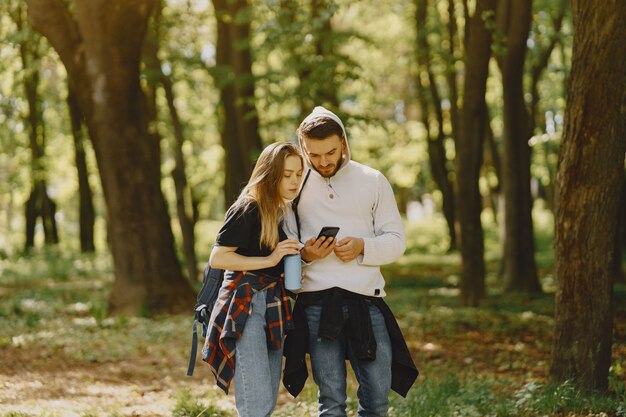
(286, 247)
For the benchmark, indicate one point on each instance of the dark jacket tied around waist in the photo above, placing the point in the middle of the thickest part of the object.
(358, 328)
(229, 316)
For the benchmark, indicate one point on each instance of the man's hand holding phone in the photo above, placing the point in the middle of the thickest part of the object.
(321, 246)
(349, 248)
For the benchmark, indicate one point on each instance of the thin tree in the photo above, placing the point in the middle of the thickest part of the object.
(469, 151)
(520, 271)
(430, 102)
(310, 44)
(239, 123)
(589, 177)
(87, 215)
(100, 45)
(39, 203)
(451, 72)
(186, 204)
(538, 66)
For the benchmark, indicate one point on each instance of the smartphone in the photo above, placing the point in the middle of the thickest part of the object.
(328, 231)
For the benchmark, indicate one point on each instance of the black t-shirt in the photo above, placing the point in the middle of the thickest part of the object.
(242, 229)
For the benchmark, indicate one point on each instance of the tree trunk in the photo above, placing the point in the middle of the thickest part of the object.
(324, 93)
(491, 156)
(39, 204)
(591, 170)
(436, 151)
(239, 120)
(541, 64)
(618, 247)
(469, 154)
(520, 271)
(86, 210)
(183, 204)
(101, 50)
(451, 74)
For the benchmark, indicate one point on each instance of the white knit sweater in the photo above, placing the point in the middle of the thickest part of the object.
(362, 205)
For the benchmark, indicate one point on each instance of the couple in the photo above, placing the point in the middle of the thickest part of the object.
(339, 313)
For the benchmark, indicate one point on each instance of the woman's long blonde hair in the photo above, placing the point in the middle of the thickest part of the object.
(263, 189)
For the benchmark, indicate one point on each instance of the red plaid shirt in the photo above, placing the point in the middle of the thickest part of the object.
(229, 316)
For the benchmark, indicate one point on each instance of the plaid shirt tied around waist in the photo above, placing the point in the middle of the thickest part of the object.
(229, 316)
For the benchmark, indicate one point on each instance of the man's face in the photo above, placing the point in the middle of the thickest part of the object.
(325, 155)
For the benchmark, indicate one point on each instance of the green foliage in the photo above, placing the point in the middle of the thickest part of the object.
(451, 396)
(189, 406)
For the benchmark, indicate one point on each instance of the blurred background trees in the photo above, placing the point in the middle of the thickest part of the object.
(127, 125)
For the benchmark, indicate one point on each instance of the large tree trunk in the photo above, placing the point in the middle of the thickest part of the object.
(520, 271)
(239, 121)
(87, 214)
(591, 170)
(101, 50)
(469, 154)
(427, 89)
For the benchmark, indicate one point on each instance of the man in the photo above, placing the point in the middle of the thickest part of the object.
(340, 313)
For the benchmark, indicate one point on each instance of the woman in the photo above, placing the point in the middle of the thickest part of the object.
(252, 312)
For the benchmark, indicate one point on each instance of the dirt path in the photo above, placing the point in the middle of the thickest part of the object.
(35, 383)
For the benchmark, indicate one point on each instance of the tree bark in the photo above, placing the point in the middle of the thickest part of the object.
(520, 271)
(101, 50)
(426, 85)
(618, 245)
(591, 170)
(239, 120)
(469, 154)
(87, 214)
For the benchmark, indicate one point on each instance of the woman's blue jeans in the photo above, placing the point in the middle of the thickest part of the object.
(329, 368)
(257, 368)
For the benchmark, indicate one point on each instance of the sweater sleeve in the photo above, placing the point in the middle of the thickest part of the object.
(389, 242)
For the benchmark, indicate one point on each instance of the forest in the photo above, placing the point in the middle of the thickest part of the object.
(128, 127)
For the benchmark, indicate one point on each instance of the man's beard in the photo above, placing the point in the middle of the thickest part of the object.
(334, 171)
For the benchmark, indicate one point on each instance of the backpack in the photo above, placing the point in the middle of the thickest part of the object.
(211, 284)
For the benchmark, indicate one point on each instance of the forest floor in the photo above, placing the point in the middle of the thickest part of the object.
(60, 355)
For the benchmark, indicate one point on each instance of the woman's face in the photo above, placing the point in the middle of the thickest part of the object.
(292, 176)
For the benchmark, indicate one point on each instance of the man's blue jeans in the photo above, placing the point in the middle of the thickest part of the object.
(329, 368)
(257, 368)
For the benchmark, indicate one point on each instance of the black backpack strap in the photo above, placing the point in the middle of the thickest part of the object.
(211, 283)
(294, 203)
(194, 347)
